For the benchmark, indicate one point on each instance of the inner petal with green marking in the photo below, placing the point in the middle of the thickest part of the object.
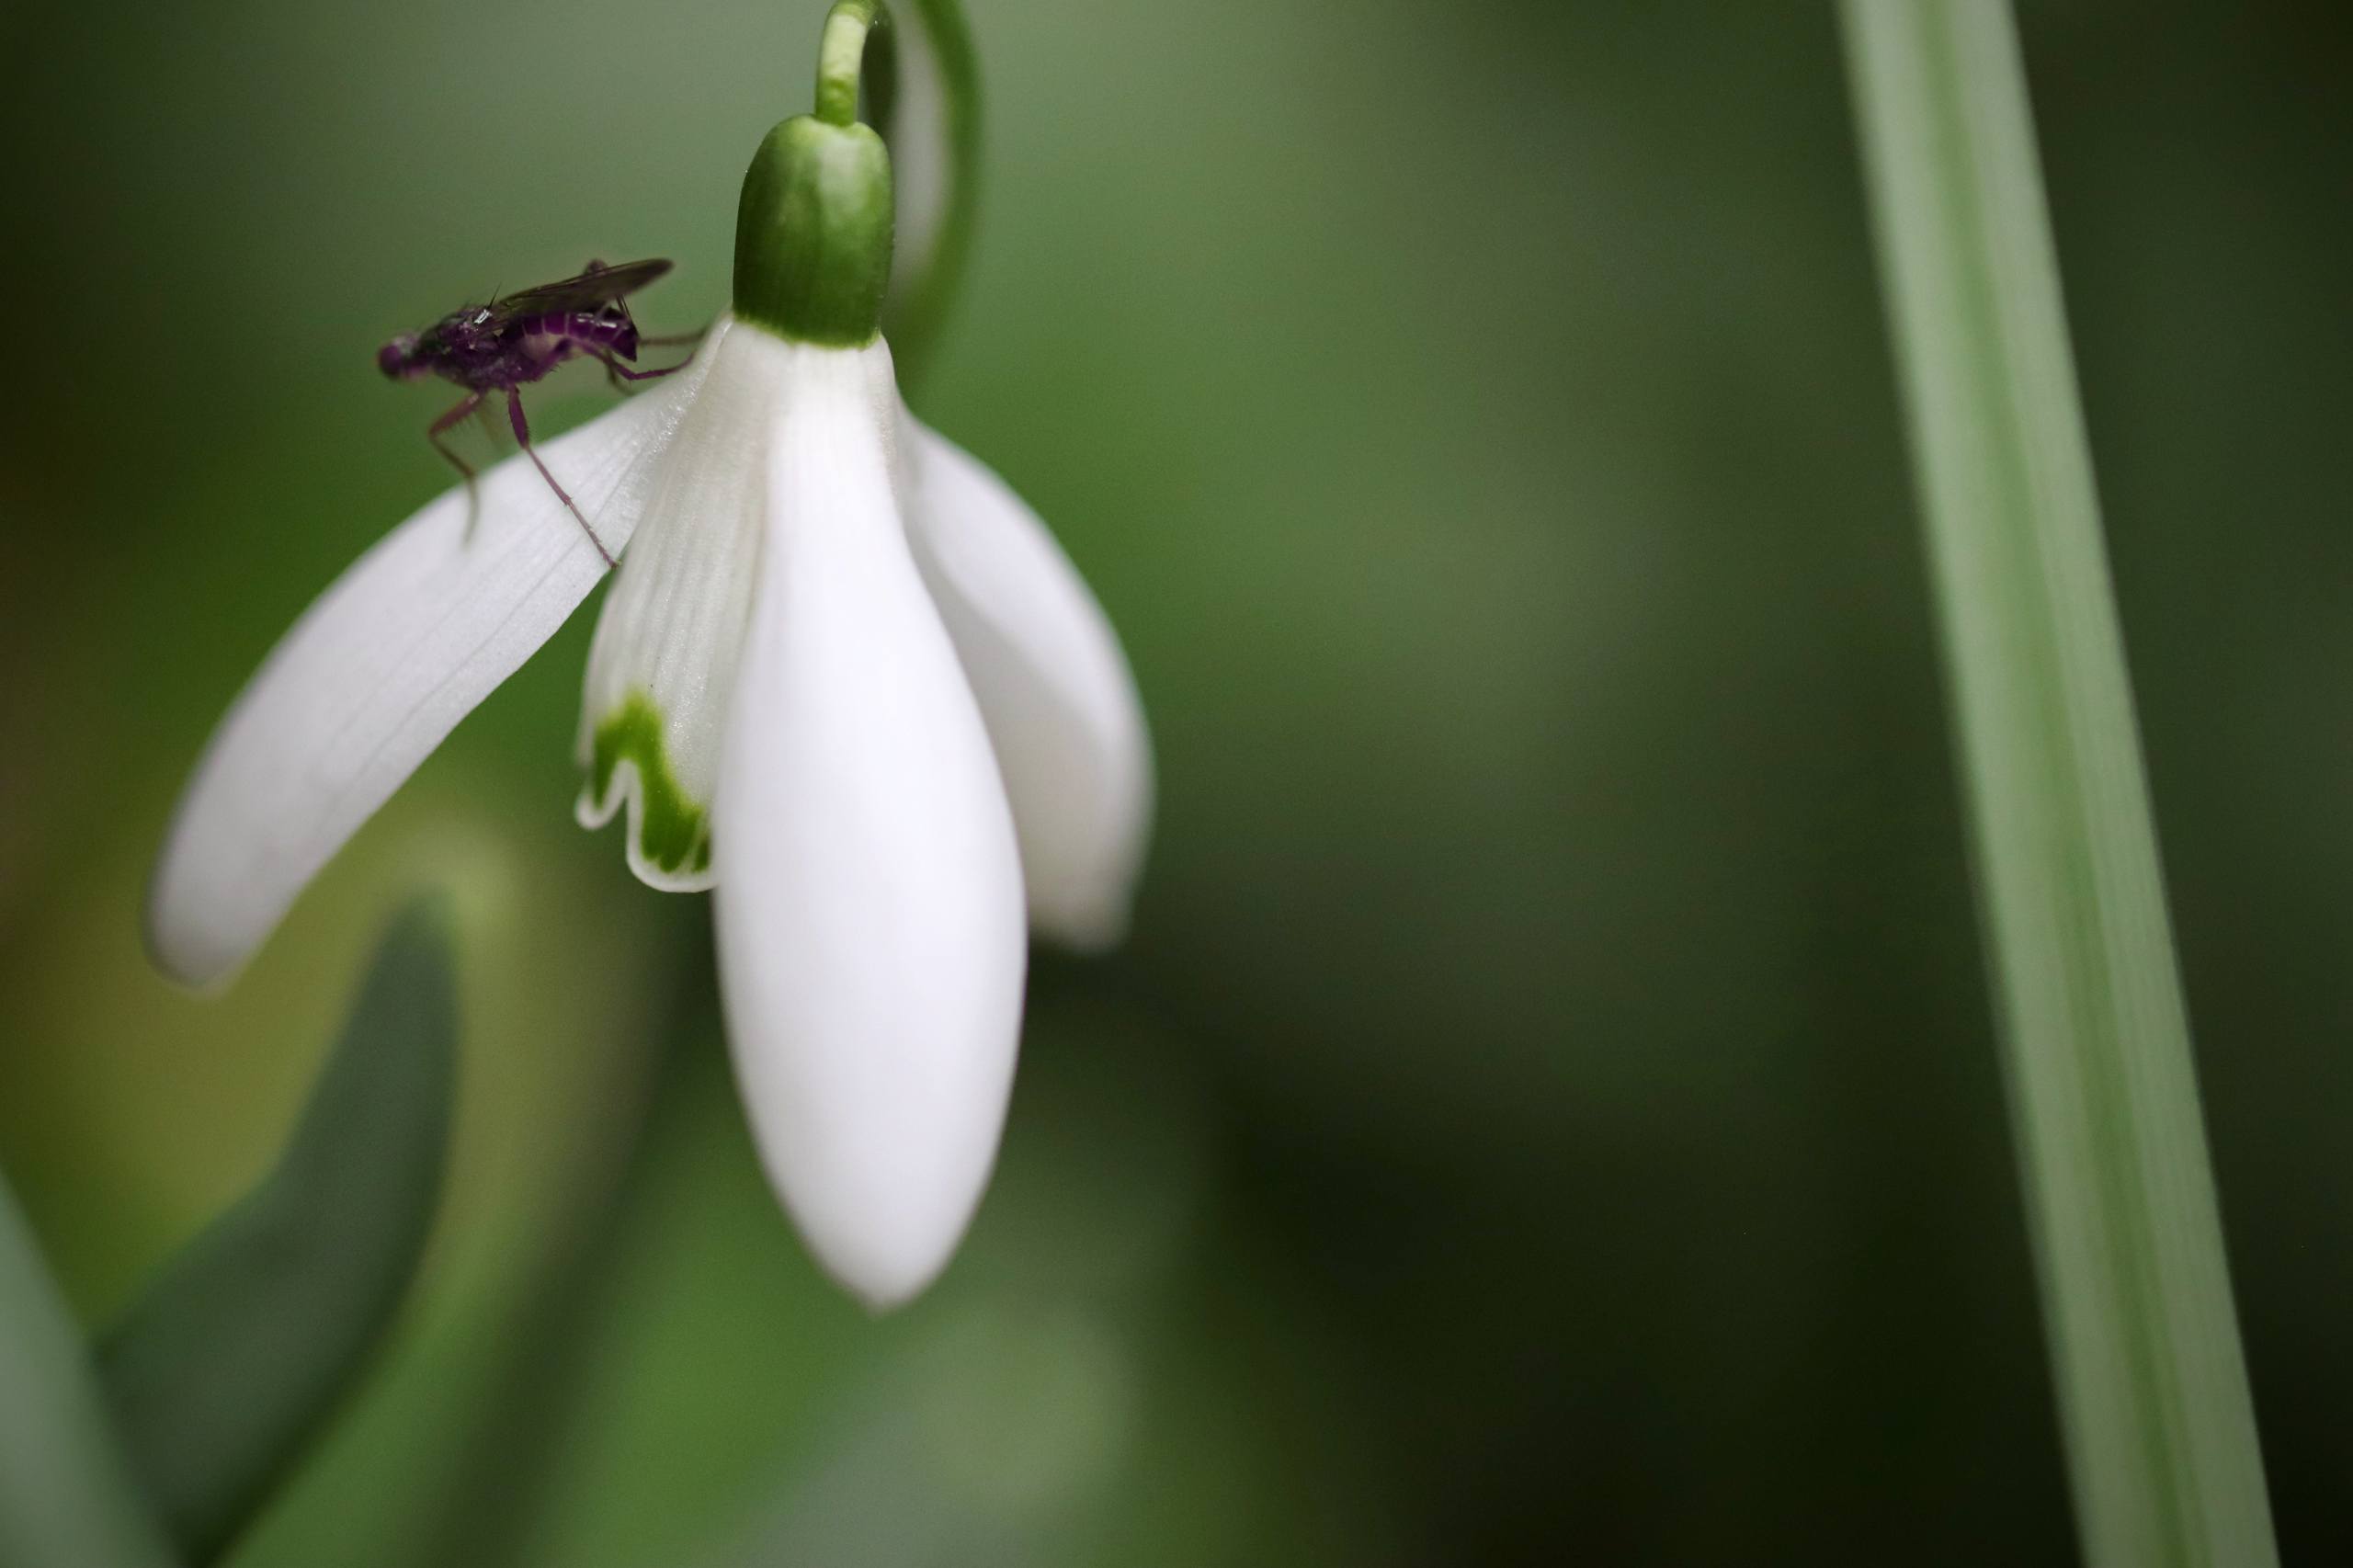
(669, 830)
(654, 716)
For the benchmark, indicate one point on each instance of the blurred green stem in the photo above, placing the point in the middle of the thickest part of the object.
(66, 1495)
(2158, 1424)
(922, 81)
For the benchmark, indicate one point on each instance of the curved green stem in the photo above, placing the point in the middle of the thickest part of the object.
(816, 224)
(841, 57)
(922, 85)
(921, 82)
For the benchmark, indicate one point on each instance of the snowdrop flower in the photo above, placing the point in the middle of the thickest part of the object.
(845, 679)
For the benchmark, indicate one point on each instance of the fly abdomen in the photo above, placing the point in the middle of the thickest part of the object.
(616, 335)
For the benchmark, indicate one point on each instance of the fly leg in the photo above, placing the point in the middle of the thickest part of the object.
(523, 436)
(441, 427)
(616, 373)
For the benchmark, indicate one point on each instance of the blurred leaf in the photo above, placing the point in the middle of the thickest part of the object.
(66, 1496)
(2153, 1388)
(231, 1362)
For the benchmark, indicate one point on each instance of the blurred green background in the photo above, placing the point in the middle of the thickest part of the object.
(1546, 1111)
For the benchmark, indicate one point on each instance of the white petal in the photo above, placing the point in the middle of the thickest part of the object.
(870, 920)
(379, 670)
(1053, 684)
(662, 666)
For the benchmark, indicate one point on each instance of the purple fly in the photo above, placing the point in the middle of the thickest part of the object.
(518, 338)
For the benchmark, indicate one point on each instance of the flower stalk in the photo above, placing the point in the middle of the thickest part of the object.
(2158, 1420)
(814, 229)
(841, 58)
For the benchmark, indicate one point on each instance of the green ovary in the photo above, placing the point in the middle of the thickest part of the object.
(673, 832)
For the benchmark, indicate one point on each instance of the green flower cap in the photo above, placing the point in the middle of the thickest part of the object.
(812, 231)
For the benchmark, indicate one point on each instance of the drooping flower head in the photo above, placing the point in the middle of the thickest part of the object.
(845, 679)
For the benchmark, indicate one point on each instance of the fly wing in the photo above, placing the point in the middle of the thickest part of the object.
(596, 287)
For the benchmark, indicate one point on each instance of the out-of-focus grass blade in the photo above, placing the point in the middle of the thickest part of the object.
(242, 1346)
(65, 1494)
(2158, 1424)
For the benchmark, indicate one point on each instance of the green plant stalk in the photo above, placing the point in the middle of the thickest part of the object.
(2158, 1425)
(837, 238)
(66, 1492)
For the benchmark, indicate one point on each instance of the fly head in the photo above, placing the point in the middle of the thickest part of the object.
(400, 359)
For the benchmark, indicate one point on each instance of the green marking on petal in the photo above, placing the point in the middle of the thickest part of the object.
(672, 830)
